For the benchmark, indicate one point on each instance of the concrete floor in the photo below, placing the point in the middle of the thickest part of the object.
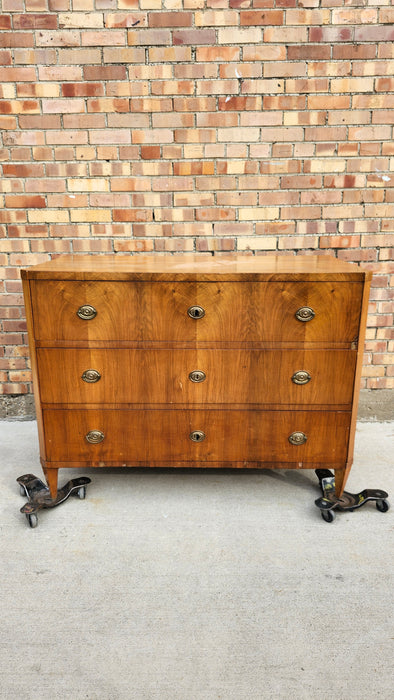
(176, 585)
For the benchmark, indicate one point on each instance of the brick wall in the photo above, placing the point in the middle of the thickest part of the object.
(258, 126)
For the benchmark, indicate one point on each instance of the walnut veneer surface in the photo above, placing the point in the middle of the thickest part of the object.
(275, 387)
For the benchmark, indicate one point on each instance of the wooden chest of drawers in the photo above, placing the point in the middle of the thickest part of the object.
(188, 361)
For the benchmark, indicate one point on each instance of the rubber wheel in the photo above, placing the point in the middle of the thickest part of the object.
(81, 493)
(22, 491)
(328, 516)
(32, 519)
(382, 505)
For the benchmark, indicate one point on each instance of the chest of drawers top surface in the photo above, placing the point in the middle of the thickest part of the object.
(196, 267)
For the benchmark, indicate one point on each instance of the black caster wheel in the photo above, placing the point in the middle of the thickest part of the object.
(32, 519)
(382, 505)
(328, 516)
(39, 496)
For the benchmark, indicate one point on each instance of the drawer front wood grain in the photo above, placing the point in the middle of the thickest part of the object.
(147, 376)
(155, 311)
(164, 435)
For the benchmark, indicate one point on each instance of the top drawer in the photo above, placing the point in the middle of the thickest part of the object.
(163, 311)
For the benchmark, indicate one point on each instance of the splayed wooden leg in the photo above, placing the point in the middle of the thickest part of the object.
(51, 479)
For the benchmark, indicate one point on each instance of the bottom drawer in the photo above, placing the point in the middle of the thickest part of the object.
(165, 438)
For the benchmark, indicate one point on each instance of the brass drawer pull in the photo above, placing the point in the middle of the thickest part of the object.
(91, 376)
(301, 377)
(197, 436)
(305, 313)
(95, 436)
(196, 312)
(297, 438)
(197, 376)
(86, 312)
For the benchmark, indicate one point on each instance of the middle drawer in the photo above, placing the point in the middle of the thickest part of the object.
(165, 376)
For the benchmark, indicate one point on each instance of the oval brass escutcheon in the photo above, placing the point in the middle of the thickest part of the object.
(197, 376)
(91, 376)
(301, 377)
(305, 313)
(297, 438)
(86, 312)
(196, 312)
(94, 436)
(197, 436)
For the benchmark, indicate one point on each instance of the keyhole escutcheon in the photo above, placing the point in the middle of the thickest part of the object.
(196, 312)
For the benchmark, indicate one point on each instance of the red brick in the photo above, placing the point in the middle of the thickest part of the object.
(101, 73)
(108, 104)
(169, 53)
(127, 4)
(239, 103)
(207, 119)
(325, 134)
(173, 87)
(339, 241)
(285, 70)
(151, 105)
(215, 214)
(150, 152)
(103, 38)
(284, 102)
(32, 21)
(5, 22)
(308, 53)
(291, 35)
(196, 71)
(173, 120)
(217, 53)
(264, 53)
(58, 73)
(57, 38)
(14, 39)
(150, 37)
(373, 33)
(82, 89)
(170, 19)
(261, 17)
(130, 184)
(307, 85)
(331, 34)
(18, 74)
(5, 58)
(23, 170)
(81, 57)
(329, 68)
(63, 106)
(193, 36)
(301, 181)
(122, 19)
(384, 84)
(132, 215)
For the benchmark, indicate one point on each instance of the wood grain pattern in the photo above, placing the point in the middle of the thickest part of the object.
(147, 376)
(163, 436)
(340, 482)
(33, 356)
(244, 311)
